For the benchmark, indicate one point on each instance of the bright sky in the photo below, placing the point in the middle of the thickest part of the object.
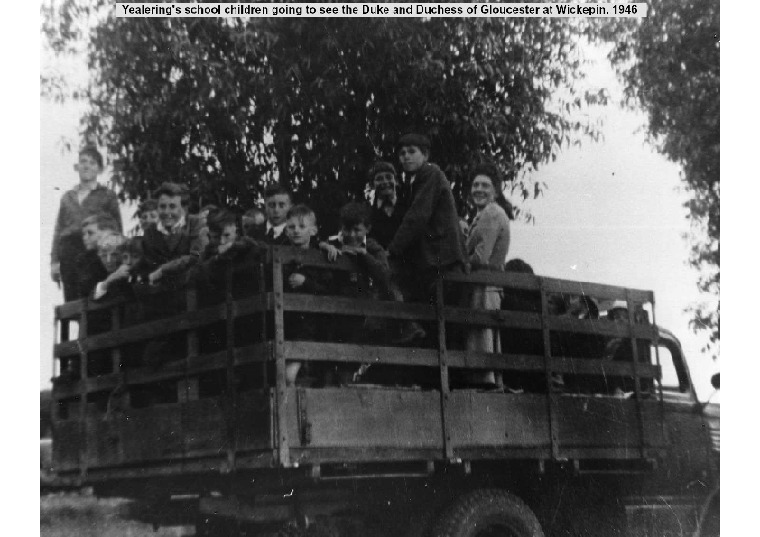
(611, 214)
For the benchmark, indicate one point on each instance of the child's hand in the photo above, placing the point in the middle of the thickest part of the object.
(121, 273)
(354, 250)
(296, 280)
(332, 252)
(155, 276)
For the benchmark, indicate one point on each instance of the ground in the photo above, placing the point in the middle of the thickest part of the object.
(83, 515)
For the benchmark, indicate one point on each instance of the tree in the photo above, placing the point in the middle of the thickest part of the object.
(225, 105)
(670, 62)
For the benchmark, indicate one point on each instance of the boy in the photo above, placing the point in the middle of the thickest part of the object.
(301, 227)
(428, 241)
(387, 209)
(174, 244)
(278, 201)
(114, 254)
(86, 199)
(90, 269)
(147, 212)
(254, 223)
(373, 272)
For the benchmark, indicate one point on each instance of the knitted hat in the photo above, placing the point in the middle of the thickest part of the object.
(380, 167)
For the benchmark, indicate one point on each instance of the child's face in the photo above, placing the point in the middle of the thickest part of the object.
(385, 184)
(111, 257)
(148, 219)
(300, 230)
(87, 167)
(170, 210)
(411, 158)
(277, 208)
(354, 235)
(229, 234)
(90, 236)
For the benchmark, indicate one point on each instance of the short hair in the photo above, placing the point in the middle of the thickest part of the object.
(380, 167)
(302, 211)
(278, 188)
(104, 222)
(354, 213)
(173, 189)
(146, 206)
(220, 219)
(113, 240)
(92, 151)
(416, 139)
(518, 265)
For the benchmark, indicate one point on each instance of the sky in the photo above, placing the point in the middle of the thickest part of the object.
(612, 213)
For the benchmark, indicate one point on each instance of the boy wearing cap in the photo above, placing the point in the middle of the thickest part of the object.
(86, 199)
(428, 241)
(387, 209)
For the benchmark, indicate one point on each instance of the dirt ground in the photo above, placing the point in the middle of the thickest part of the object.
(83, 515)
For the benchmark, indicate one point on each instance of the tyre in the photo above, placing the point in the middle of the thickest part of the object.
(487, 513)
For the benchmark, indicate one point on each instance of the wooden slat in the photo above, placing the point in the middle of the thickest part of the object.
(596, 290)
(173, 370)
(312, 258)
(281, 392)
(352, 306)
(161, 327)
(367, 418)
(510, 280)
(498, 420)
(444, 371)
(502, 318)
(600, 327)
(526, 362)
(351, 353)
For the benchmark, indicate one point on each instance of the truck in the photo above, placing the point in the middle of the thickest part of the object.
(596, 430)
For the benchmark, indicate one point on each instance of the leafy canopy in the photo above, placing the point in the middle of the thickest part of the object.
(670, 62)
(225, 105)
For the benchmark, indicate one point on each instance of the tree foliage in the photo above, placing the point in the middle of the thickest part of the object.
(225, 105)
(670, 62)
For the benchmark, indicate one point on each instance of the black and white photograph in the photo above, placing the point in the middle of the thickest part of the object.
(380, 269)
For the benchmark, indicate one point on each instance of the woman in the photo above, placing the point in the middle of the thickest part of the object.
(486, 249)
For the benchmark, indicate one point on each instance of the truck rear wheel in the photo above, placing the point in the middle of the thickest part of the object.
(488, 513)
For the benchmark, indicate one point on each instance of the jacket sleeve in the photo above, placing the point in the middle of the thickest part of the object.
(55, 251)
(483, 237)
(112, 208)
(376, 262)
(417, 217)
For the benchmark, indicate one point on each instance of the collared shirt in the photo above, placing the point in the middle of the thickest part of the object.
(384, 204)
(174, 229)
(84, 190)
(276, 230)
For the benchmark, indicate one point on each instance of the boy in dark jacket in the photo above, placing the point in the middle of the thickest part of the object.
(301, 228)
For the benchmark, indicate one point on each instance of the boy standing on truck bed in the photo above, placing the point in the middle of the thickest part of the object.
(90, 269)
(278, 200)
(428, 241)
(174, 245)
(86, 199)
(371, 277)
(301, 228)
